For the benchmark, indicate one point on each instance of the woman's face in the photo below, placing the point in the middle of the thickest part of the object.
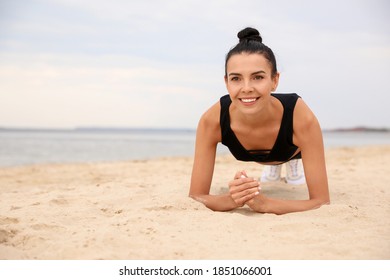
(249, 81)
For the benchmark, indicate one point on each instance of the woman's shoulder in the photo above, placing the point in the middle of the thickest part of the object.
(304, 117)
(211, 116)
(209, 125)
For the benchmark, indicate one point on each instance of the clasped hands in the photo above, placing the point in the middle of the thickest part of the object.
(246, 190)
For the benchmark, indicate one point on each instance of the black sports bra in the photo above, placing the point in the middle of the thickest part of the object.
(283, 149)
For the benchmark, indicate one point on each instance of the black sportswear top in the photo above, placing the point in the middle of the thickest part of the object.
(283, 149)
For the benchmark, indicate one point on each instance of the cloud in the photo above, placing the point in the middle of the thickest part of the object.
(160, 63)
(111, 90)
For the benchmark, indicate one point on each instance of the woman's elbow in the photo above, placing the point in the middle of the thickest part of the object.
(197, 197)
(321, 202)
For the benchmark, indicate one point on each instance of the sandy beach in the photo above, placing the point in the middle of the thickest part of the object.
(141, 210)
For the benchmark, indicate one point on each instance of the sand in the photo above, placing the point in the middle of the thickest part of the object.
(140, 210)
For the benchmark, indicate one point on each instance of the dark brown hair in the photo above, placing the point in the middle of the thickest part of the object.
(251, 42)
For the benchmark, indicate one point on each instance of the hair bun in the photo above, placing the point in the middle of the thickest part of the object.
(249, 34)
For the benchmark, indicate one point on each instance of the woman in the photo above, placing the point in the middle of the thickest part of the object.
(258, 126)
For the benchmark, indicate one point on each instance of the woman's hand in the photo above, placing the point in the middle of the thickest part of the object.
(242, 188)
(258, 203)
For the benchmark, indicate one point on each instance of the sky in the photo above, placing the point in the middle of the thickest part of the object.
(137, 63)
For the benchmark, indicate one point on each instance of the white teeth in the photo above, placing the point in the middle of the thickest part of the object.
(248, 100)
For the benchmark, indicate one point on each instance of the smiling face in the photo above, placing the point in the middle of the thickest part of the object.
(249, 81)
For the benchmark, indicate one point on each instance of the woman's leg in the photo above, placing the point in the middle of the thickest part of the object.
(271, 173)
(294, 172)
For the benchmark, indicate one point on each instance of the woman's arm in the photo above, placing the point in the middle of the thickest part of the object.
(308, 137)
(207, 137)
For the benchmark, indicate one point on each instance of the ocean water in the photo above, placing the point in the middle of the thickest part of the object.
(25, 147)
(22, 147)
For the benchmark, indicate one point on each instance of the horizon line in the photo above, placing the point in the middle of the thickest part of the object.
(146, 128)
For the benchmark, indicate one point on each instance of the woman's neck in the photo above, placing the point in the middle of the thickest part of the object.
(266, 115)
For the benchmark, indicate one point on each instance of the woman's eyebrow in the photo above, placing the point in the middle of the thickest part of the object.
(254, 73)
(259, 72)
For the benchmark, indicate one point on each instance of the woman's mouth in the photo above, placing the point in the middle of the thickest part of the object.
(249, 101)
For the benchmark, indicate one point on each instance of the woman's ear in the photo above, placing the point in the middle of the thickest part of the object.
(275, 80)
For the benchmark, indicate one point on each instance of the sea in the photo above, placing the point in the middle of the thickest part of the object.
(37, 146)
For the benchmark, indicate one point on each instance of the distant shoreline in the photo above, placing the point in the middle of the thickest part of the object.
(165, 130)
(100, 129)
(358, 129)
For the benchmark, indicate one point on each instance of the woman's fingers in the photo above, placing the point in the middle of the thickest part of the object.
(243, 196)
(241, 184)
(242, 188)
(239, 174)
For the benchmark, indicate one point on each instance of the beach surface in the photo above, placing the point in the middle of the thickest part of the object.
(140, 210)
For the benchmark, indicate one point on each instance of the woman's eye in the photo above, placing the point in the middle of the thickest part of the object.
(258, 77)
(234, 79)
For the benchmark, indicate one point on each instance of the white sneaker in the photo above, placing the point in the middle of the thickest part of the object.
(295, 174)
(271, 173)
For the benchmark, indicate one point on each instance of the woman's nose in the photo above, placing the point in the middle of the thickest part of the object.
(247, 86)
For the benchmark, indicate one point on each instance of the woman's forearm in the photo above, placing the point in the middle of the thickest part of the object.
(279, 206)
(222, 202)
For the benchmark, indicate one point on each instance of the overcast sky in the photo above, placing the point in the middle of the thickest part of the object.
(69, 63)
